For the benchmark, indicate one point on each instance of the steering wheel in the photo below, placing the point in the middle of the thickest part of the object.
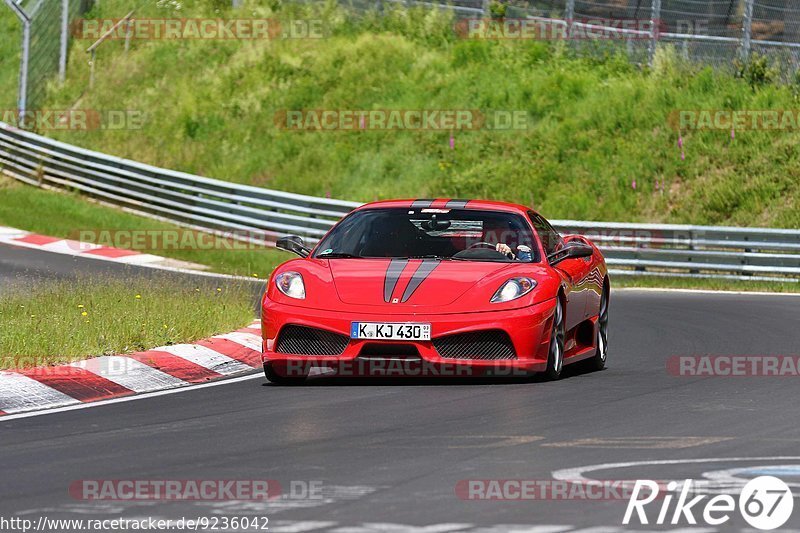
(482, 244)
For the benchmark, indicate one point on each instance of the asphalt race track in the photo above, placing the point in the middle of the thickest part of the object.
(388, 455)
(19, 263)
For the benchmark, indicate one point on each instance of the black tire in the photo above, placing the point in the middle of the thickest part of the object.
(598, 362)
(281, 378)
(555, 355)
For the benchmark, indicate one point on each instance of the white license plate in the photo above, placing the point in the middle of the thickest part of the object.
(390, 331)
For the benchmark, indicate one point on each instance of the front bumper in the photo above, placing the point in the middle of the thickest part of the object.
(528, 329)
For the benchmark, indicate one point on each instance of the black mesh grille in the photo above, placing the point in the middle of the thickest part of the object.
(302, 340)
(485, 345)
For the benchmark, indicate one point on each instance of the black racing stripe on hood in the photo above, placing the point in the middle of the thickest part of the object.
(421, 204)
(456, 204)
(396, 267)
(421, 274)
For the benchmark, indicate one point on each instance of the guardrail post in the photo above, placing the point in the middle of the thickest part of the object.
(655, 21)
(747, 28)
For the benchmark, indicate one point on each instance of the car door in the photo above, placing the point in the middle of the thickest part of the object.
(573, 270)
(580, 270)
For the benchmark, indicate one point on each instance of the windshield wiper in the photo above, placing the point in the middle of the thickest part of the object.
(338, 255)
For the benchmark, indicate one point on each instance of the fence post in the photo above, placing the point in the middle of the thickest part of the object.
(62, 57)
(128, 35)
(655, 21)
(747, 28)
(22, 101)
(569, 15)
(23, 72)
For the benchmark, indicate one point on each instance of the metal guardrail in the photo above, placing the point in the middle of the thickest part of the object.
(192, 200)
(224, 207)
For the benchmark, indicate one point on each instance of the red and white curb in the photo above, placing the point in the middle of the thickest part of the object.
(107, 377)
(57, 245)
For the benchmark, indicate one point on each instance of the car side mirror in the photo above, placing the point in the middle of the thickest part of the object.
(570, 251)
(293, 244)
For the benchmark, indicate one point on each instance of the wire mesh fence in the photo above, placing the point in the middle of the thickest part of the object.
(46, 26)
(715, 32)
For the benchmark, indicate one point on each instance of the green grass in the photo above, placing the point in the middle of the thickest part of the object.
(65, 215)
(47, 321)
(704, 284)
(596, 123)
(10, 35)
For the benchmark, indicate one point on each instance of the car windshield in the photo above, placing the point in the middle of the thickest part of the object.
(457, 234)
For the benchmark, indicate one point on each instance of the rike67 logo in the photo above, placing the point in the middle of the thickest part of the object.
(765, 503)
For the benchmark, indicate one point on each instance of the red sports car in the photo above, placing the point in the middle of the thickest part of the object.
(436, 287)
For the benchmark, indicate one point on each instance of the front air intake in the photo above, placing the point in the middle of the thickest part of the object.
(302, 340)
(487, 345)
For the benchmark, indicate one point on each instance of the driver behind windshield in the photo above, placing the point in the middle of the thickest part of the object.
(502, 235)
(458, 234)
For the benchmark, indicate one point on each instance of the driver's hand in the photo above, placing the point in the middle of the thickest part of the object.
(503, 249)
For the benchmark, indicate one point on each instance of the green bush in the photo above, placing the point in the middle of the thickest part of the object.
(756, 70)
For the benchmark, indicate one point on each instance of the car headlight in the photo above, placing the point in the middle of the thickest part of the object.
(291, 284)
(513, 289)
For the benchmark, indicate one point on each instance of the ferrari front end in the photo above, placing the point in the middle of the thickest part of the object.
(347, 340)
(424, 287)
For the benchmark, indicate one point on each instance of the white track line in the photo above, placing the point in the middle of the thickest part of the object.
(129, 373)
(21, 393)
(68, 247)
(12, 233)
(207, 358)
(130, 398)
(140, 259)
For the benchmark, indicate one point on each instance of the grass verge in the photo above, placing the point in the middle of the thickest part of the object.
(10, 39)
(51, 321)
(60, 214)
(705, 284)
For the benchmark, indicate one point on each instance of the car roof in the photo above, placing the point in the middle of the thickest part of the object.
(448, 203)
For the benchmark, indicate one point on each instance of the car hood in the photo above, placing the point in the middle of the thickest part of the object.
(408, 282)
